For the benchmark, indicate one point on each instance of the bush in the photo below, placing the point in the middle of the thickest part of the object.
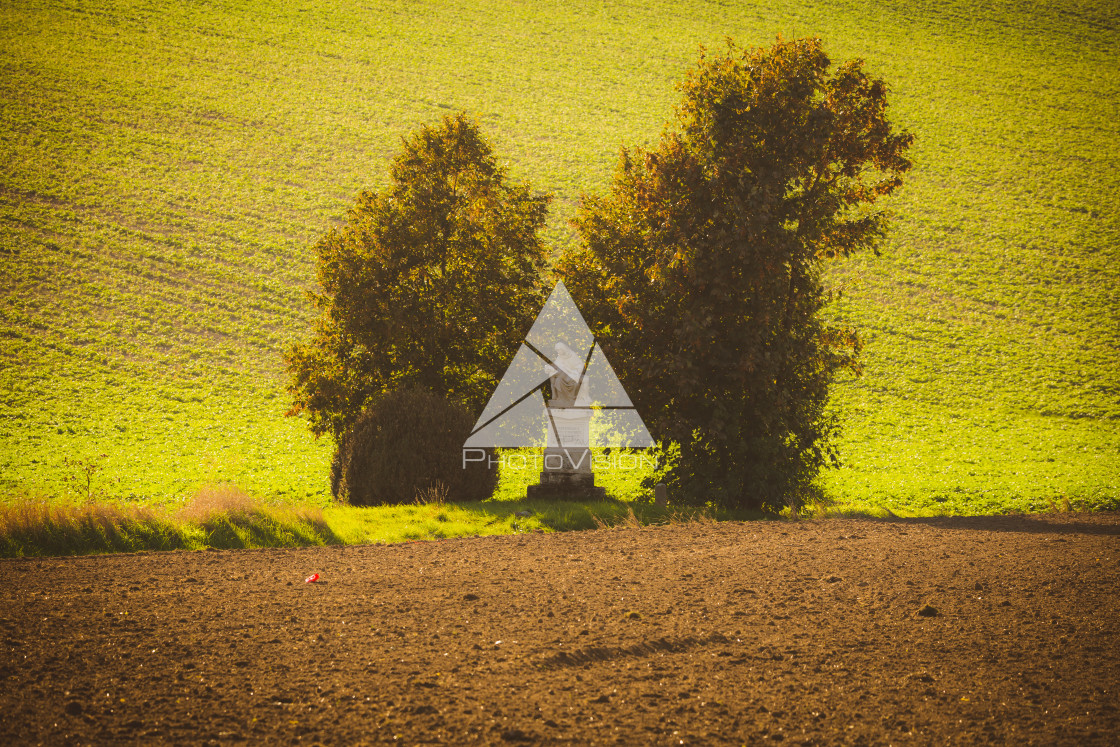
(409, 443)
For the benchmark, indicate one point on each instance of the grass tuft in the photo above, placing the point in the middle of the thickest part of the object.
(433, 495)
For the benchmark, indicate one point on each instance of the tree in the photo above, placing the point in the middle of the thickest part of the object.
(702, 265)
(431, 283)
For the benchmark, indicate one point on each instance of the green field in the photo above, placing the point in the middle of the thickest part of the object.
(165, 172)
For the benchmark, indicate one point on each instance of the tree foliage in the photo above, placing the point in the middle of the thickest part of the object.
(431, 282)
(702, 265)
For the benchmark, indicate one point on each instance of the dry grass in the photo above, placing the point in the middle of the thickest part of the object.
(435, 494)
(221, 516)
(214, 500)
(626, 521)
(229, 517)
(698, 516)
(42, 528)
(630, 520)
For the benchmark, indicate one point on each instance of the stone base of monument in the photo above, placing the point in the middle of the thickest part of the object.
(567, 475)
(556, 485)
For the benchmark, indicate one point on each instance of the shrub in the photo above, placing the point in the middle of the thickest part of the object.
(408, 443)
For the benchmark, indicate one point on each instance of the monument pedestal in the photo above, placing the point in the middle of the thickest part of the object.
(566, 467)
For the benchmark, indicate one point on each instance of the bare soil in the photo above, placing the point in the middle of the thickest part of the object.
(803, 633)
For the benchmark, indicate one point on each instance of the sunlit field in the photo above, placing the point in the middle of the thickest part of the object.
(165, 173)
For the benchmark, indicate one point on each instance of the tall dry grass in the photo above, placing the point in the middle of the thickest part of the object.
(38, 527)
(228, 517)
(215, 500)
(220, 516)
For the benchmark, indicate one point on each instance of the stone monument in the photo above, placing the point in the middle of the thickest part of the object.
(566, 464)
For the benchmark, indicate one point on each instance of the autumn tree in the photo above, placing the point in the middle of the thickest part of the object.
(701, 267)
(431, 282)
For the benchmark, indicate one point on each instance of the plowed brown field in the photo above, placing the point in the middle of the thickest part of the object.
(806, 633)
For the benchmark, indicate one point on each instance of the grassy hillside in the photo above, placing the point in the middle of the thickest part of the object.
(164, 173)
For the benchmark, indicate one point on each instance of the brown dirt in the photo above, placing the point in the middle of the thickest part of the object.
(806, 633)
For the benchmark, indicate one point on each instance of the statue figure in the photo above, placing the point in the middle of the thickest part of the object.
(566, 388)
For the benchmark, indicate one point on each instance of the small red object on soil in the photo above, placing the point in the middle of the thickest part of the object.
(311, 579)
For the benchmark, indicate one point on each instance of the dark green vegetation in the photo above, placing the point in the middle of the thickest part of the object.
(431, 283)
(407, 445)
(165, 174)
(702, 267)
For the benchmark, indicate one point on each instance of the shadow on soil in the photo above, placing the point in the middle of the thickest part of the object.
(1029, 524)
(565, 516)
